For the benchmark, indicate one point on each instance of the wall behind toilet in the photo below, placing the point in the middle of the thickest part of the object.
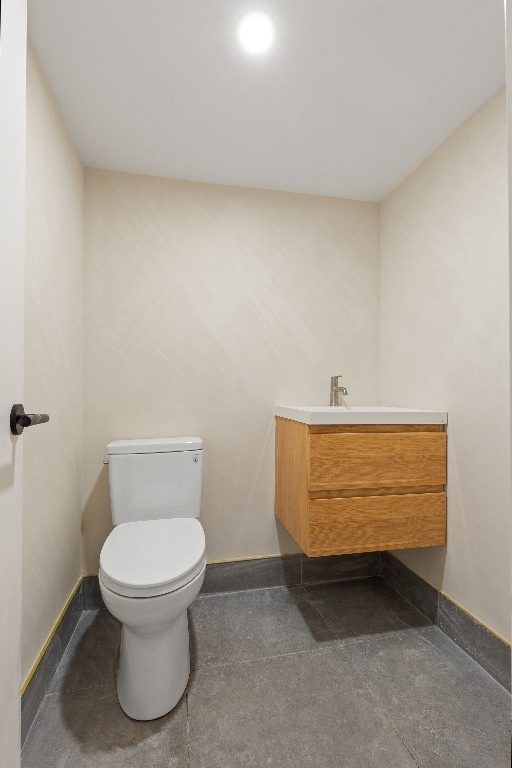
(53, 366)
(204, 307)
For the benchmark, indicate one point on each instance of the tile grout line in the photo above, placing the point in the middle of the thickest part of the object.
(393, 725)
(188, 728)
(338, 643)
(79, 690)
(217, 665)
(431, 623)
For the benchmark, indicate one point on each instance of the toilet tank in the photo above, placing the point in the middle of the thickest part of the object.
(155, 479)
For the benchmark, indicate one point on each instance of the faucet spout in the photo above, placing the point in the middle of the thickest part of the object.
(337, 392)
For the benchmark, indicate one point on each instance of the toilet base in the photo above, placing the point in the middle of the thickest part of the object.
(154, 658)
(154, 667)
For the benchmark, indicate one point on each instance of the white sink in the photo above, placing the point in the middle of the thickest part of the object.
(359, 414)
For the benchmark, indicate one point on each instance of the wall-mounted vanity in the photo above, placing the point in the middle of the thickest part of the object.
(360, 479)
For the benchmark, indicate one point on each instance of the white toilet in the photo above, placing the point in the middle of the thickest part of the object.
(152, 566)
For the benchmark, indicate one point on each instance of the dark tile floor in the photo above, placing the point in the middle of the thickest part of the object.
(340, 675)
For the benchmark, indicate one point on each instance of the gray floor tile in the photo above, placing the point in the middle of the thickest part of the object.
(367, 607)
(254, 624)
(449, 712)
(302, 710)
(89, 730)
(90, 660)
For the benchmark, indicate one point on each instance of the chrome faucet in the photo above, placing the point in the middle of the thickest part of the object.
(337, 392)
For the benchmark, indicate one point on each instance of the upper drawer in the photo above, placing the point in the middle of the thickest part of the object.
(377, 460)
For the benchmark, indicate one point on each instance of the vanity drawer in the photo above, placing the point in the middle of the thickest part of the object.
(376, 460)
(373, 523)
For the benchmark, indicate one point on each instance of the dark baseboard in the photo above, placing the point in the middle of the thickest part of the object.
(292, 570)
(478, 642)
(286, 571)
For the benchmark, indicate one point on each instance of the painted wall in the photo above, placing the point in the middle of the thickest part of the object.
(53, 366)
(445, 344)
(205, 306)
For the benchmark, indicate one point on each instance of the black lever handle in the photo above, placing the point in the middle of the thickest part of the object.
(20, 419)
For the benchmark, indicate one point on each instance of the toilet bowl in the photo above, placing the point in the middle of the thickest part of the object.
(152, 569)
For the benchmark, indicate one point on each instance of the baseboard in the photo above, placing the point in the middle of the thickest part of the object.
(479, 642)
(286, 571)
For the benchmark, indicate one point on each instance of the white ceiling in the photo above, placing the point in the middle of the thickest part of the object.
(354, 95)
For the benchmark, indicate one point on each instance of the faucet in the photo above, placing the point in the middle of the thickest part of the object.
(337, 392)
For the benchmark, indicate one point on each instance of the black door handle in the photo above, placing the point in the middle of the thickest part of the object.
(20, 419)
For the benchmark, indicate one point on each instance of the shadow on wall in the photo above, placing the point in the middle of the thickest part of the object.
(96, 518)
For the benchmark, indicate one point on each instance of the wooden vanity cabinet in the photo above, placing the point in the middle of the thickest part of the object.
(361, 488)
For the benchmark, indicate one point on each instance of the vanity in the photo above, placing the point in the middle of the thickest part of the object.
(360, 479)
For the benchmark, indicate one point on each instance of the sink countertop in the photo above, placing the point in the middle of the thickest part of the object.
(359, 414)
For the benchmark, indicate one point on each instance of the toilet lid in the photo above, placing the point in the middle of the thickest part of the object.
(152, 557)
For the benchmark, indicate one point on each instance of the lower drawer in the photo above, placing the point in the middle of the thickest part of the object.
(372, 523)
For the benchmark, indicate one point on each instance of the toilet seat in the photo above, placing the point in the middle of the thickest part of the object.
(152, 557)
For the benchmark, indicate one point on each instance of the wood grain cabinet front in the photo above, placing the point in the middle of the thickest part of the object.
(363, 488)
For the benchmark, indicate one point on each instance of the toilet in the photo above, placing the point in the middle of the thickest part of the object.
(152, 566)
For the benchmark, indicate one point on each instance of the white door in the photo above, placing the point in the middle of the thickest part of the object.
(13, 37)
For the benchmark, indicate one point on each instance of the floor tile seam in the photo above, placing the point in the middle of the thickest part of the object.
(406, 625)
(340, 642)
(80, 690)
(331, 626)
(217, 665)
(431, 623)
(64, 650)
(32, 724)
(187, 728)
(249, 589)
(294, 584)
(311, 602)
(474, 661)
(68, 644)
(393, 725)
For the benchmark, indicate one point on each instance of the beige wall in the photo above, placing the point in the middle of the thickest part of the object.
(445, 344)
(205, 306)
(53, 367)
